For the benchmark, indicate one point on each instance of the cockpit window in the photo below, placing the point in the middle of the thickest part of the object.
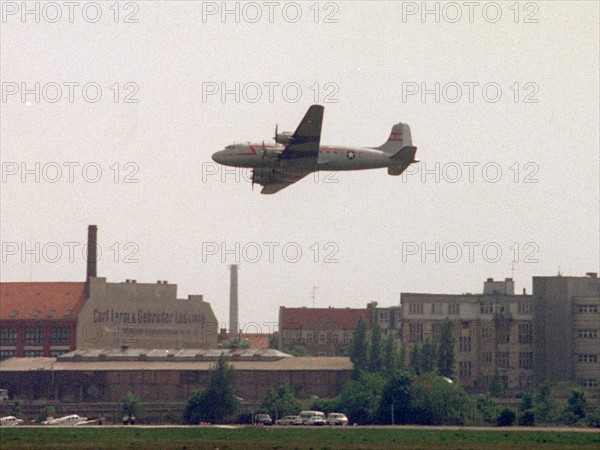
(230, 146)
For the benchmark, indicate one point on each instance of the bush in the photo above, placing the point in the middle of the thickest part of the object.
(593, 419)
(506, 417)
(527, 419)
(45, 412)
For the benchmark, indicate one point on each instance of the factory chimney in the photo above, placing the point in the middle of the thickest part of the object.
(92, 255)
(233, 299)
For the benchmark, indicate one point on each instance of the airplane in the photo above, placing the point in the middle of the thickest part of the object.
(295, 155)
(10, 421)
(68, 421)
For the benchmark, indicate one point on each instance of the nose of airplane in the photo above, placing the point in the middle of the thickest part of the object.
(218, 156)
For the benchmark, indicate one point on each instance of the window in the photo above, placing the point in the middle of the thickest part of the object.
(334, 338)
(322, 338)
(415, 308)
(55, 353)
(8, 336)
(486, 308)
(464, 368)
(487, 332)
(587, 358)
(502, 359)
(383, 316)
(34, 353)
(525, 382)
(464, 344)
(587, 309)
(61, 335)
(309, 337)
(5, 354)
(50, 313)
(437, 308)
(589, 383)
(486, 357)
(67, 312)
(525, 333)
(14, 313)
(321, 354)
(453, 308)
(503, 333)
(34, 335)
(525, 360)
(35, 313)
(587, 334)
(346, 337)
(524, 307)
(415, 332)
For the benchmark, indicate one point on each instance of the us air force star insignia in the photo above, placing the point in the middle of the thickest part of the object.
(350, 155)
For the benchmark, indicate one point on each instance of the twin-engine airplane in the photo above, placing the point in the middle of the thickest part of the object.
(293, 156)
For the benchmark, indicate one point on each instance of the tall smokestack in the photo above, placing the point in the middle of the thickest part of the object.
(233, 299)
(92, 252)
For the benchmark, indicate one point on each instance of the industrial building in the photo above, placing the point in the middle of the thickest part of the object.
(45, 319)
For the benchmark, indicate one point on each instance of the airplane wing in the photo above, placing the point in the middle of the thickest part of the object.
(299, 158)
(304, 143)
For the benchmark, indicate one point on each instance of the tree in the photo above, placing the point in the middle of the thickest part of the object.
(358, 348)
(576, 406)
(527, 418)
(280, 402)
(395, 405)
(446, 350)
(16, 409)
(360, 398)
(437, 401)
(46, 412)
(428, 356)
(401, 358)
(235, 343)
(274, 340)
(375, 349)
(414, 359)
(487, 409)
(130, 405)
(218, 401)
(544, 403)
(497, 385)
(299, 351)
(389, 357)
(506, 417)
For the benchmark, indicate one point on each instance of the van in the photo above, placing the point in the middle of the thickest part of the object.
(313, 418)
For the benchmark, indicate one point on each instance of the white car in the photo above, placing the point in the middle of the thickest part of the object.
(337, 419)
(10, 421)
(290, 420)
(313, 418)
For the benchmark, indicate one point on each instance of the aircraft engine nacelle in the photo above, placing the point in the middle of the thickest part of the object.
(271, 154)
(265, 176)
(285, 137)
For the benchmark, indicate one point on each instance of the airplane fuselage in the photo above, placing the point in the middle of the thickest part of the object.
(329, 158)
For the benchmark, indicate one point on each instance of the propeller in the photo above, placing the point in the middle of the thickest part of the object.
(275, 137)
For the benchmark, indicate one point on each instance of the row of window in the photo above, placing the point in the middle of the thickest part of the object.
(587, 334)
(523, 307)
(587, 309)
(35, 335)
(587, 358)
(501, 332)
(5, 354)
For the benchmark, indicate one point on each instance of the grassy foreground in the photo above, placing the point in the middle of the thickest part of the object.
(290, 438)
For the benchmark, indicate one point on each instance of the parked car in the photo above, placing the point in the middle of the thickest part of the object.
(290, 420)
(313, 418)
(263, 419)
(337, 419)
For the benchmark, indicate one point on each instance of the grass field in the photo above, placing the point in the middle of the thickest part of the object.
(290, 438)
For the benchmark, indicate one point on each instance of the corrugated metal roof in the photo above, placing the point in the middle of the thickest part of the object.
(335, 363)
(41, 300)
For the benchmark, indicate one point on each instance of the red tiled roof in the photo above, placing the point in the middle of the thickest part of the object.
(26, 298)
(346, 318)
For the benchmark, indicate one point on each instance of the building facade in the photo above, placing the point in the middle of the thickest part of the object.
(39, 319)
(321, 331)
(493, 331)
(567, 324)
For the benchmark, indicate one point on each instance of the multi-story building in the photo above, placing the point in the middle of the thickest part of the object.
(567, 324)
(493, 331)
(322, 331)
(39, 319)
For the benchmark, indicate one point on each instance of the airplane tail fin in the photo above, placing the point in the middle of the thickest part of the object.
(399, 138)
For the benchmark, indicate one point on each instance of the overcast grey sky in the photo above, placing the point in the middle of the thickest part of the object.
(502, 101)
